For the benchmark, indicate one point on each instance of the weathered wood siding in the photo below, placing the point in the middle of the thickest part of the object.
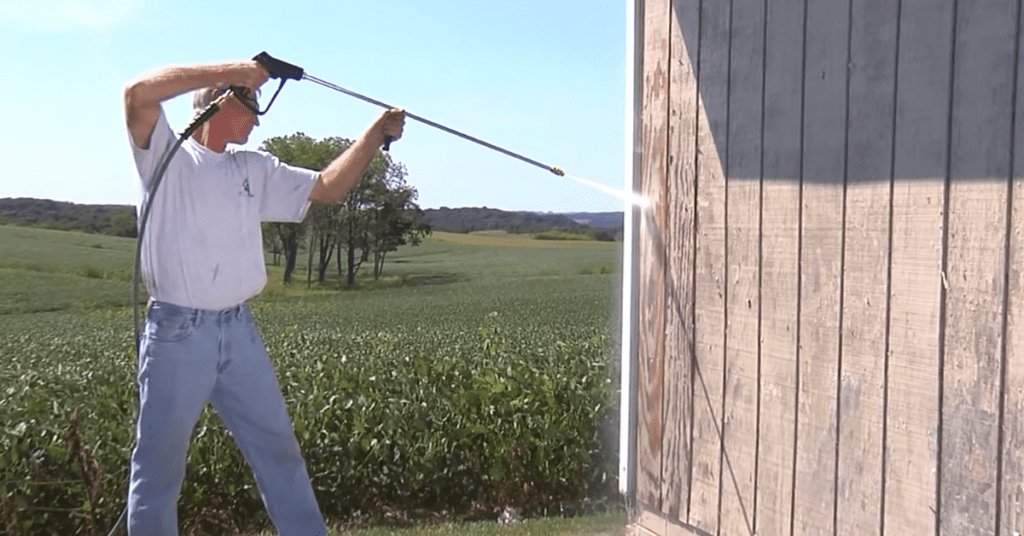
(830, 334)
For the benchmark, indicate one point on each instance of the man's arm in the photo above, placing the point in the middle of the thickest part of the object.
(344, 171)
(143, 95)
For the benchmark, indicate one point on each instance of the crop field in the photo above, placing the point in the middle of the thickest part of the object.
(477, 373)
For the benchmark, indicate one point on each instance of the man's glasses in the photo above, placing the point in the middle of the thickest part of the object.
(246, 97)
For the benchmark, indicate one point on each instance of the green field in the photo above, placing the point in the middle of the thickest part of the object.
(476, 373)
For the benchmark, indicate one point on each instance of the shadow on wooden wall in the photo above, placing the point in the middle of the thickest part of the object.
(829, 337)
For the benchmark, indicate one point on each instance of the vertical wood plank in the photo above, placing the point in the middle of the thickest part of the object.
(779, 263)
(915, 289)
(865, 302)
(681, 196)
(709, 290)
(821, 262)
(1012, 499)
(651, 321)
(743, 190)
(980, 135)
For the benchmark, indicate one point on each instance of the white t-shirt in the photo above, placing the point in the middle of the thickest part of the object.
(203, 246)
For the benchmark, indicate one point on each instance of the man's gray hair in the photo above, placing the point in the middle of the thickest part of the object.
(201, 98)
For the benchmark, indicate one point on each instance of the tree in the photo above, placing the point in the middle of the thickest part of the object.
(122, 223)
(323, 236)
(378, 215)
(284, 239)
(302, 151)
(396, 221)
(375, 217)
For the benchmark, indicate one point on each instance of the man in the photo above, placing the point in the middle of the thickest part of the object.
(202, 258)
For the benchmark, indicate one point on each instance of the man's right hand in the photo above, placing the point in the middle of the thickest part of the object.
(143, 95)
(255, 76)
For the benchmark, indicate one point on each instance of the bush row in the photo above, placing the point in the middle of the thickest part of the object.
(414, 407)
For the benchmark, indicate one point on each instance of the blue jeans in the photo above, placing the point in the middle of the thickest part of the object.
(189, 357)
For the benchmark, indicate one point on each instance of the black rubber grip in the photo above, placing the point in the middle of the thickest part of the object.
(279, 69)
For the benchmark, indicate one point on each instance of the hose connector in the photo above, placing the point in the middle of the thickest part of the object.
(204, 116)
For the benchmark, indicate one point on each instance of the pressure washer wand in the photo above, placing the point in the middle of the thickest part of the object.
(287, 71)
(555, 170)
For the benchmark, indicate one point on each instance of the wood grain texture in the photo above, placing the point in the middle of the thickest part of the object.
(710, 285)
(779, 264)
(1012, 492)
(753, 301)
(649, 523)
(651, 309)
(679, 250)
(743, 300)
(821, 265)
(916, 285)
(866, 265)
(979, 167)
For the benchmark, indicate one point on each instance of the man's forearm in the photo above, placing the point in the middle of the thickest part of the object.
(142, 96)
(156, 86)
(345, 171)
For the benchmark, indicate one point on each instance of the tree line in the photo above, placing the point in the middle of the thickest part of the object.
(378, 215)
(114, 220)
(598, 226)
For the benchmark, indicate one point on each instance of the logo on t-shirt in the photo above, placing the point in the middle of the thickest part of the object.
(245, 185)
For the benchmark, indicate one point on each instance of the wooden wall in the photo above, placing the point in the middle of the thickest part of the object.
(831, 273)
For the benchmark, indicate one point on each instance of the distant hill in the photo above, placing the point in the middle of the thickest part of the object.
(602, 220)
(467, 220)
(119, 220)
(470, 219)
(115, 220)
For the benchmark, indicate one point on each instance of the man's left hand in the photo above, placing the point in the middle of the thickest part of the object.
(392, 123)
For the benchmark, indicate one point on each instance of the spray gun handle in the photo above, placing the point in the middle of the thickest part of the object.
(278, 68)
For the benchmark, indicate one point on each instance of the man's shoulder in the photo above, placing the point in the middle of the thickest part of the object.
(264, 160)
(252, 157)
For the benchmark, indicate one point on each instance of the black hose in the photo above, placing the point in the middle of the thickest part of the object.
(158, 176)
(122, 521)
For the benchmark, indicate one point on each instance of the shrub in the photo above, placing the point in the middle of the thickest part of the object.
(434, 404)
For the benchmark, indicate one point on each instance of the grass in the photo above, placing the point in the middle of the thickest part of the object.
(605, 524)
(49, 270)
(50, 251)
(33, 291)
(445, 258)
(571, 241)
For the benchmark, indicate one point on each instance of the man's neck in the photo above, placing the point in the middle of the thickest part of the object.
(213, 143)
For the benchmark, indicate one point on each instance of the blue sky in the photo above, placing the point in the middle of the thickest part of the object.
(544, 79)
